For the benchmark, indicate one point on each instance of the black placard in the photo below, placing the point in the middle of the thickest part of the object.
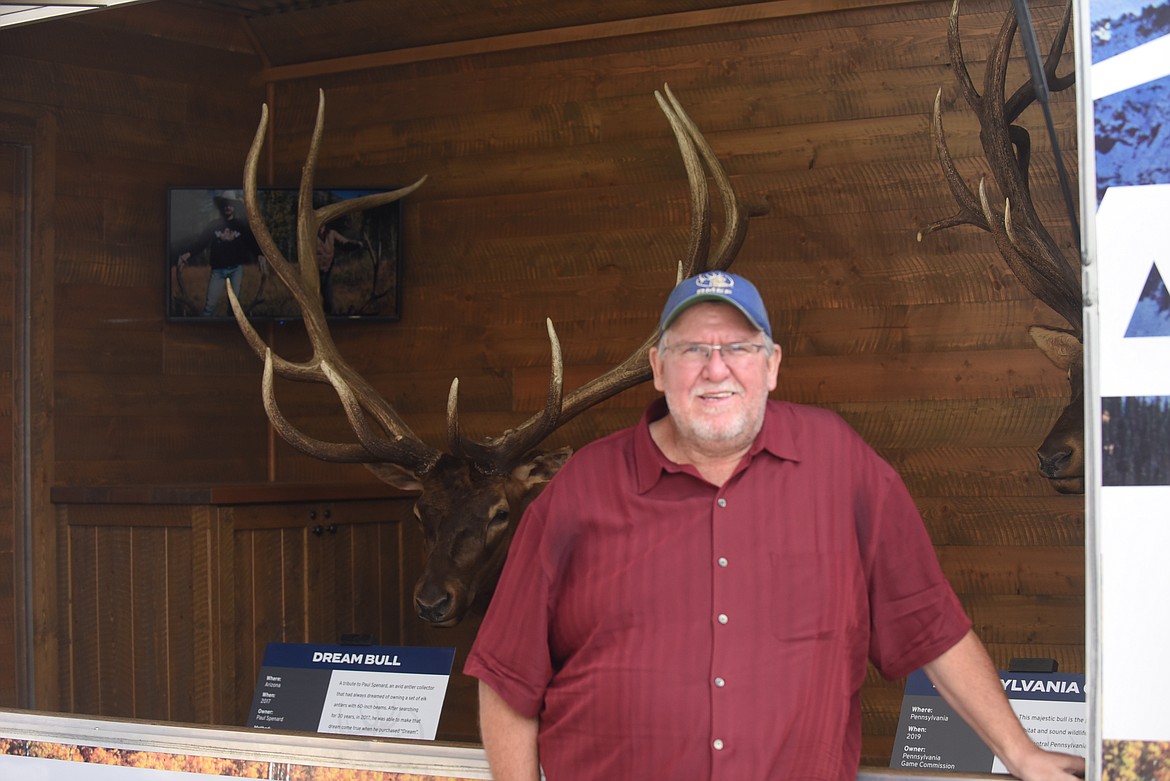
(387, 692)
(931, 736)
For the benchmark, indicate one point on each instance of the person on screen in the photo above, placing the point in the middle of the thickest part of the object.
(230, 244)
(328, 241)
(697, 597)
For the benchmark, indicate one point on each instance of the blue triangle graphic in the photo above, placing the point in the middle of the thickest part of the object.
(1151, 316)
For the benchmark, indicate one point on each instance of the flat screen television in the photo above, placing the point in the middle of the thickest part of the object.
(209, 241)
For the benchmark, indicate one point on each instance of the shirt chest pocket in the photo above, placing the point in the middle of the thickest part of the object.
(813, 596)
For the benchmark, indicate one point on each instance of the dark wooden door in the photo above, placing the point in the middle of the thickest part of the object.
(13, 249)
(312, 573)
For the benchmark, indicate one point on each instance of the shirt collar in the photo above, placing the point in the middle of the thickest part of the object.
(777, 438)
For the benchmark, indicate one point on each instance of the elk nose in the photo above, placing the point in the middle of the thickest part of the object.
(434, 606)
(1051, 464)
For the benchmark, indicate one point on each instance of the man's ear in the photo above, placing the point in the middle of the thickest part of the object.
(655, 358)
(774, 367)
(541, 467)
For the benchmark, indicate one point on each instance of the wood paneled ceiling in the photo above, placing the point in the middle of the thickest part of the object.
(298, 37)
(291, 32)
(297, 31)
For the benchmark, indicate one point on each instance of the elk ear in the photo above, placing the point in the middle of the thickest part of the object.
(542, 467)
(1061, 347)
(397, 476)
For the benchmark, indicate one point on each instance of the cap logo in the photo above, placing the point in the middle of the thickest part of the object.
(714, 282)
(719, 286)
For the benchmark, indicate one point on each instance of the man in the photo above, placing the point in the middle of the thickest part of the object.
(231, 245)
(696, 597)
(328, 240)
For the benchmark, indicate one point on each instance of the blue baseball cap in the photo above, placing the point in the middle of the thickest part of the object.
(717, 286)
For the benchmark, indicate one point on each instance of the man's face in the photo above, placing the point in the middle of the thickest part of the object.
(714, 404)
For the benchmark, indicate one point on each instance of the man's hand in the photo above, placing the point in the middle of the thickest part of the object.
(968, 681)
(1041, 765)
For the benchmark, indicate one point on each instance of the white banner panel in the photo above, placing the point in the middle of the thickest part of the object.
(1124, 61)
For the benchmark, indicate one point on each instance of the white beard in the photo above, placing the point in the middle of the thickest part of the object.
(719, 430)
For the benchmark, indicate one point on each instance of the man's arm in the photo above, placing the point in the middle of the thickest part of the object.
(966, 678)
(509, 738)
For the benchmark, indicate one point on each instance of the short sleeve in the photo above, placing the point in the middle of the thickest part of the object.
(914, 613)
(511, 651)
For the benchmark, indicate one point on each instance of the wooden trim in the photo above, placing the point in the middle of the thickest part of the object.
(127, 516)
(260, 493)
(319, 514)
(42, 283)
(37, 576)
(206, 615)
(777, 9)
(18, 138)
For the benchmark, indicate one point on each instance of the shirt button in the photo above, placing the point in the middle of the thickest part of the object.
(722, 502)
(719, 682)
(718, 744)
(722, 618)
(722, 561)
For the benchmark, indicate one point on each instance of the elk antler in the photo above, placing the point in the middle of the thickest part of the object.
(636, 368)
(358, 397)
(1023, 241)
(396, 443)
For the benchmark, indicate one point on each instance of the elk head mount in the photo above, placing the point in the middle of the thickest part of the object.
(1021, 238)
(472, 496)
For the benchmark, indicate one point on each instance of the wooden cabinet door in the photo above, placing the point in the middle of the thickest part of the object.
(314, 573)
(135, 613)
(354, 583)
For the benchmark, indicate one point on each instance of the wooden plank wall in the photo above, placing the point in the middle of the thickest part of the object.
(555, 190)
(115, 113)
(144, 100)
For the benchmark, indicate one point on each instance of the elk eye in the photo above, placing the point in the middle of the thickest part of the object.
(500, 518)
(428, 529)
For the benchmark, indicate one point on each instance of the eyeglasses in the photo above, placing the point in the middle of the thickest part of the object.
(732, 353)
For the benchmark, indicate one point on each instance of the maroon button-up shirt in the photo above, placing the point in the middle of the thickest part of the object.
(661, 627)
